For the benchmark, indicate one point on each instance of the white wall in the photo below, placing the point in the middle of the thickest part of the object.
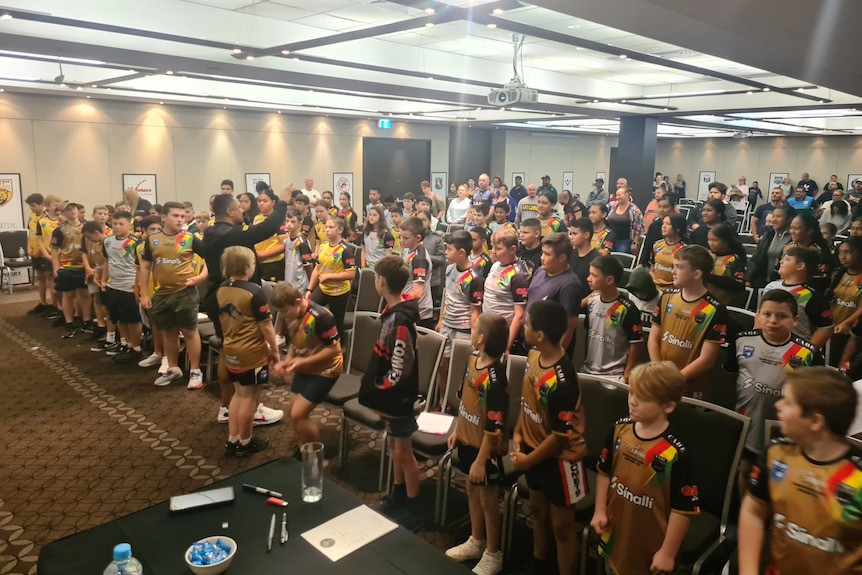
(79, 148)
(755, 158)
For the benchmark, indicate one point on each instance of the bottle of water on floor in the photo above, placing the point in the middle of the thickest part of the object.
(124, 563)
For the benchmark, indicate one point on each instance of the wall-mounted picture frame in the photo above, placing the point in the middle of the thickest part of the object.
(850, 179)
(567, 181)
(602, 176)
(342, 182)
(516, 175)
(144, 184)
(775, 179)
(440, 183)
(12, 216)
(704, 179)
(251, 181)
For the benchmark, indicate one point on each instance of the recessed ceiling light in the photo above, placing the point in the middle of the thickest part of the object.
(6, 16)
(573, 26)
(595, 101)
(295, 59)
(236, 51)
(63, 85)
(94, 86)
(108, 89)
(87, 96)
(429, 24)
(133, 71)
(766, 89)
(249, 57)
(498, 11)
(492, 25)
(311, 91)
(429, 10)
(623, 56)
(4, 89)
(279, 111)
(579, 48)
(285, 52)
(161, 103)
(622, 101)
(748, 93)
(224, 107)
(432, 77)
(79, 88)
(665, 109)
(170, 72)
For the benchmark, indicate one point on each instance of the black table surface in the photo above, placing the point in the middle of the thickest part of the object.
(159, 539)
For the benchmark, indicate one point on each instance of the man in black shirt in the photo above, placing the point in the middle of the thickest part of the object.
(807, 184)
(227, 231)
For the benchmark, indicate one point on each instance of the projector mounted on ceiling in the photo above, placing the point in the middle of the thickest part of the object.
(743, 134)
(515, 91)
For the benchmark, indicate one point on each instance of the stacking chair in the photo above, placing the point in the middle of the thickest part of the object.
(714, 437)
(366, 299)
(743, 317)
(627, 260)
(11, 243)
(430, 352)
(605, 401)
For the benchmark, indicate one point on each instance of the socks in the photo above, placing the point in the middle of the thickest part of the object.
(111, 337)
(245, 441)
(136, 347)
(399, 491)
(233, 438)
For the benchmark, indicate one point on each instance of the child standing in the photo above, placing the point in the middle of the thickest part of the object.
(504, 289)
(644, 460)
(846, 297)
(549, 439)
(270, 252)
(501, 216)
(329, 284)
(94, 264)
(419, 263)
(674, 233)
(808, 486)
(314, 357)
(41, 264)
(603, 237)
(390, 385)
(479, 251)
(249, 347)
(297, 254)
(481, 440)
(376, 237)
(69, 278)
(150, 225)
(118, 277)
(49, 222)
(614, 328)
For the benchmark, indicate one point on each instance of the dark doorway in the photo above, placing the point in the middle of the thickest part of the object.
(394, 166)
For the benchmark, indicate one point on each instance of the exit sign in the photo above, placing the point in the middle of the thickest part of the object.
(384, 124)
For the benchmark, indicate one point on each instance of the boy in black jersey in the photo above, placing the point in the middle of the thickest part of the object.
(549, 439)
(481, 442)
(249, 346)
(530, 244)
(809, 486)
(645, 491)
(391, 384)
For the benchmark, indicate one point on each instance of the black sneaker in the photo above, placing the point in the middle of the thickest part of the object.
(38, 309)
(230, 448)
(129, 356)
(59, 321)
(393, 505)
(98, 333)
(69, 332)
(410, 520)
(115, 349)
(88, 327)
(101, 346)
(51, 312)
(257, 443)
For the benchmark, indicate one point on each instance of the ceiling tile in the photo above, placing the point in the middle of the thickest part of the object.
(326, 22)
(277, 11)
(368, 14)
(317, 5)
(223, 4)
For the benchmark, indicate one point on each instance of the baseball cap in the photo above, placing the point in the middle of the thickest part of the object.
(602, 180)
(546, 177)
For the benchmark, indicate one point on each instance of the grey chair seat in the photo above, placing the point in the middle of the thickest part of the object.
(345, 389)
(215, 341)
(355, 411)
(430, 443)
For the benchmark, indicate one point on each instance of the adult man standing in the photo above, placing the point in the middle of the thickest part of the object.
(308, 190)
(528, 206)
(483, 194)
(717, 191)
(229, 231)
(437, 204)
(622, 183)
(854, 196)
(807, 184)
(547, 187)
(837, 196)
(599, 195)
(758, 220)
(518, 191)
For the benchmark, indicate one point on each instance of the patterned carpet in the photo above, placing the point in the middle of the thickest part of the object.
(84, 440)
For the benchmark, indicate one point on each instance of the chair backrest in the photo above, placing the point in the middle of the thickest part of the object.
(627, 260)
(684, 209)
(366, 329)
(269, 292)
(461, 351)
(11, 242)
(605, 401)
(749, 296)
(743, 317)
(367, 298)
(750, 249)
(579, 354)
(516, 365)
(714, 437)
(430, 345)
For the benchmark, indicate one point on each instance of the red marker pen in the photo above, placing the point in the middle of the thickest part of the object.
(277, 502)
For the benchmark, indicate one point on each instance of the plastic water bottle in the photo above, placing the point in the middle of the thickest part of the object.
(21, 253)
(124, 563)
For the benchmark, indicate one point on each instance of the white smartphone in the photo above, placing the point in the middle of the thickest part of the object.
(200, 499)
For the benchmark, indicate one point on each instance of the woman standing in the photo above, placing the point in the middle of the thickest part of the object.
(139, 208)
(377, 238)
(346, 211)
(679, 186)
(839, 215)
(626, 221)
(712, 214)
(674, 231)
(457, 212)
(270, 252)
(727, 282)
(787, 187)
(805, 233)
(248, 205)
(336, 267)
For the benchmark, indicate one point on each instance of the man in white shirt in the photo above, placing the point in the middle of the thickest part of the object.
(313, 195)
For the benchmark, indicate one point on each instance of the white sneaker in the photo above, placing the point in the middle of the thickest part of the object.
(222, 415)
(171, 375)
(267, 416)
(196, 379)
(489, 564)
(150, 361)
(470, 549)
(163, 368)
(279, 340)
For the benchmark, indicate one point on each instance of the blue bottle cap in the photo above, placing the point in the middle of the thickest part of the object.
(122, 552)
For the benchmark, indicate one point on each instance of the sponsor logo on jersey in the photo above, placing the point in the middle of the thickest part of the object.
(779, 471)
(675, 341)
(800, 534)
(622, 491)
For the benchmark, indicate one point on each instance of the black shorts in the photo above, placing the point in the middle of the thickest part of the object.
(312, 387)
(257, 376)
(272, 271)
(122, 307)
(493, 467)
(401, 427)
(69, 280)
(42, 265)
(564, 483)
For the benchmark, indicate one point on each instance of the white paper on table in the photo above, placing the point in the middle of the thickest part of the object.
(434, 423)
(342, 535)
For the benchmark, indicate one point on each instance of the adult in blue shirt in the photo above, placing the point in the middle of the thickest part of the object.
(800, 201)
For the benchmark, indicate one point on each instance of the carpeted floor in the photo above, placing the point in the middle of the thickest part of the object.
(84, 440)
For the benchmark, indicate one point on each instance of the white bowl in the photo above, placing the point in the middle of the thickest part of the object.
(215, 568)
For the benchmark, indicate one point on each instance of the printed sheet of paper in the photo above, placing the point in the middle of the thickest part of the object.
(342, 535)
(435, 423)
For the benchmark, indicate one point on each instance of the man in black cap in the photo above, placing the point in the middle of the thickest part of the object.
(518, 190)
(547, 187)
(599, 195)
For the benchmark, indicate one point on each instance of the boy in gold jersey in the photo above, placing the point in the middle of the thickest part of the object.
(169, 257)
(66, 248)
(94, 265)
(480, 439)
(321, 215)
(150, 225)
(808, 487)
(249, 346)
(49, 221)
(689, 326)
(549, 439)
(314, 356)
(41, 265)
(270, 252)
(645, 492)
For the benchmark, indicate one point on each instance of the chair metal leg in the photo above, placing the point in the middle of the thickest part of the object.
(342, 442)
(443, 467)
(383, 449)
(209, 377)
(510, 508)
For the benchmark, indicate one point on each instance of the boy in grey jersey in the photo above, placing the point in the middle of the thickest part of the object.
(614, 327)
(419, 283)
(764, 356)
(118, 275)
(297, 253)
